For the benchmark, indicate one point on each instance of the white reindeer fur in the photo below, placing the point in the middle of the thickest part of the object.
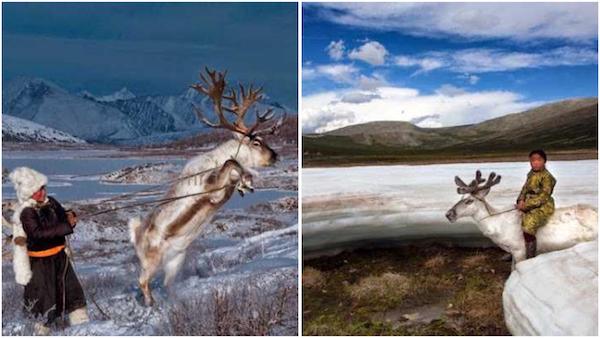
(565, 228)
(26, 181)
(172, 250)
(203, 162)
(218, 156)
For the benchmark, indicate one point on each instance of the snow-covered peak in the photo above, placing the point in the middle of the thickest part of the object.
(15, 129)
(87, 95)
(35, 88)
(123, 94)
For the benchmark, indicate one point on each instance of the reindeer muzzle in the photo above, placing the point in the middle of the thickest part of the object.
(451, 215)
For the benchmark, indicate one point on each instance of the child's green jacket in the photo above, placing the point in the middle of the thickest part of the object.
(539, 204)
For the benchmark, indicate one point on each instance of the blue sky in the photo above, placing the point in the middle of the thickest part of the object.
(152, 48)
(437, 64)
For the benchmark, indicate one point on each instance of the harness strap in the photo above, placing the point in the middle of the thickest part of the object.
(487, 208)
(46, 253)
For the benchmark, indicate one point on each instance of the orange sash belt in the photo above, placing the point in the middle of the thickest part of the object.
(47, 252)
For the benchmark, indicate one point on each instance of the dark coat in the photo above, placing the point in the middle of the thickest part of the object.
(46, 227)
(44, 292)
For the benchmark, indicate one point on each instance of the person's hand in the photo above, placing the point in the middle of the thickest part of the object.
(71, 218)
(521, 205)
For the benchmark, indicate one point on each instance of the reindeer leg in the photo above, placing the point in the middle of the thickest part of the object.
(172, 267)
(148, 271)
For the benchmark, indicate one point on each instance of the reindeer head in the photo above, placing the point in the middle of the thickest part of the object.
(251, 148)
(473, 195)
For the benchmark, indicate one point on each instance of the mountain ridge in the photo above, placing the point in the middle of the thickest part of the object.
(559, 126)
(118, 118)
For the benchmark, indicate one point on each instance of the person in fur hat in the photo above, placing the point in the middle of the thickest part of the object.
(41, 264)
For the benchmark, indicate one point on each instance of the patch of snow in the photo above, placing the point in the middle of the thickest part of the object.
(554, 294)
(15, 129)
(377, 204)
(123, 94)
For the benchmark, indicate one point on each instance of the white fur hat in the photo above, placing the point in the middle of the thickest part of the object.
(26, 182)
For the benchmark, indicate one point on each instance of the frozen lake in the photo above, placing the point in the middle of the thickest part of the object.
(345, 207)
(74, 175)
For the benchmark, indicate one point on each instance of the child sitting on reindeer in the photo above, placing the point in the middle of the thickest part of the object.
(535, 200)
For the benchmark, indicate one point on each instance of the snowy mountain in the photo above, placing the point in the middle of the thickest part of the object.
(147, 117)
(123, 94)
(119, 118)
(15, 129)
(44, 102)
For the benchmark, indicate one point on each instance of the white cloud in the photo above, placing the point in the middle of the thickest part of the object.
(450, 90)
(448, 106)
(308, 73)
(359, 97)
(425, 64)
(336, 50)
(473, 79)
(371, 52)
(513, 21)
(346, 74)
(337, 72)
(469, 78)
(427, 121)
(371, 82)
(483, 60)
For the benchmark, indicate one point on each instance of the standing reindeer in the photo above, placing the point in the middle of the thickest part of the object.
(161, 239)
(565, 228)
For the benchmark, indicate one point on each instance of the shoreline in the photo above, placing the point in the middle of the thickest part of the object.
(552, 155)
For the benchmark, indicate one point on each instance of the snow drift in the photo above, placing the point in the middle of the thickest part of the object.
(554, 294)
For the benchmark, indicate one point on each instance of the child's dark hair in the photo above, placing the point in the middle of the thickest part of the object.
(539, 152)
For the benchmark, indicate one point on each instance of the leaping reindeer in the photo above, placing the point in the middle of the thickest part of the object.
(162, 238)
(565, 228)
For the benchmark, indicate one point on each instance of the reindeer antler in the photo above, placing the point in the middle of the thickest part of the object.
(241, 101)
(475, 185)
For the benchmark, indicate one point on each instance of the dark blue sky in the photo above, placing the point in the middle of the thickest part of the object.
(152, 48)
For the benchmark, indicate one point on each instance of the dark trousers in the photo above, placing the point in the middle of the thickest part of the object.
(44, 293)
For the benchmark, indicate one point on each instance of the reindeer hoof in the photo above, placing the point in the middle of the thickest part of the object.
(149, 301)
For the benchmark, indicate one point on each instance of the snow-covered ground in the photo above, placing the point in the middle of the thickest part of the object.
(532, 305)
(344, 207)
(19, 130)
(240, 277)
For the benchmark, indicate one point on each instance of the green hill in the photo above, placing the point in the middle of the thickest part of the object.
(567, 129)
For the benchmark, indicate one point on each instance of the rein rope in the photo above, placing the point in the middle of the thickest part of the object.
(162, 201)
(487, 208)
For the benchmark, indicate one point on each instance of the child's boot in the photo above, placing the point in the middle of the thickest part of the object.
(530, 245)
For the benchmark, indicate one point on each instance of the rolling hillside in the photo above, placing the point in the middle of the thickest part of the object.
(564, 127)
